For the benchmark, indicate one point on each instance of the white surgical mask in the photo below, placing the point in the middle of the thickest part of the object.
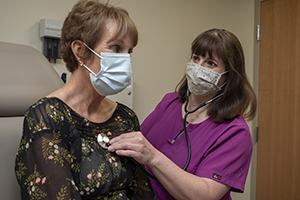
(115, 73)
(201, 80)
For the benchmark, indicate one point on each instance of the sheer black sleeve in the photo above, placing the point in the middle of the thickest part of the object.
(45, 162)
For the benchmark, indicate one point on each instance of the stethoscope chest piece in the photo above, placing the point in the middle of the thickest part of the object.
(103, 140)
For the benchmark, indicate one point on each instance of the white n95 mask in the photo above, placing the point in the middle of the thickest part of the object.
(115, 73)
(201, 80)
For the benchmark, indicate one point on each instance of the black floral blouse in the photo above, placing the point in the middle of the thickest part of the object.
(60, 158)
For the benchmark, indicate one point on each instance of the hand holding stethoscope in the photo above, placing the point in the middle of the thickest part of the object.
(136, 146)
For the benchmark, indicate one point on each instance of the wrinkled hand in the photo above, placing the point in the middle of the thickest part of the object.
(133, 145)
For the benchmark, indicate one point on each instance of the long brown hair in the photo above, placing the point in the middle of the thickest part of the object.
(239, 97)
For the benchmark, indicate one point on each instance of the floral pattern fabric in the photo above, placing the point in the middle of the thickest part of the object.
(59, 156)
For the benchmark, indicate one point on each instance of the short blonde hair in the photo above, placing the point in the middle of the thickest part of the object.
(87, 22)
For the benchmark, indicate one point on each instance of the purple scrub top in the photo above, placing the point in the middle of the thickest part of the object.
(221, 152)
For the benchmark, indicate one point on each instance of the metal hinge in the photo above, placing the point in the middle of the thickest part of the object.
(258, 33)
(256, 134)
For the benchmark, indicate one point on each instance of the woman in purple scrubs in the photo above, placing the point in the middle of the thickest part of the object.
(196, 142)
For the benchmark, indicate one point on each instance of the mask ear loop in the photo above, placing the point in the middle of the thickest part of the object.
(81, 64)
(225, 81)
(223, 85)
(92, 50)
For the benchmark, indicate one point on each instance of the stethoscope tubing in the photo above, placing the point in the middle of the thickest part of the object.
(185, 124)
(185, 132)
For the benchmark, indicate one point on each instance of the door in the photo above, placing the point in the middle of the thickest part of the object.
(278, 147)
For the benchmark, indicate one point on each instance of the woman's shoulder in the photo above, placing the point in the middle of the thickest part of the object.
(239, 121)
(170, 100)
(170, 97)
(235, 128)
(235, 122)
(42, 102)
(124, 109)
(46, 113)
(45, 105)
(50, 116)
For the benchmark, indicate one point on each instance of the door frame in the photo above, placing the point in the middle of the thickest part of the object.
(256, 52)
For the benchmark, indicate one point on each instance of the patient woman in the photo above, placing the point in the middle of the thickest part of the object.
(62, 153)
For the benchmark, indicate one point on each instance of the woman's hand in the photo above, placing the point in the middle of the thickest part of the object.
(134, 145)
(174, 179)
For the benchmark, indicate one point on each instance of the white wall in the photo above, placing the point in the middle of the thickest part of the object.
(166, 30)
(242, 24)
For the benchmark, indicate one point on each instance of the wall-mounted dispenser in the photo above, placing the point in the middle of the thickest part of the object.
(50, 32)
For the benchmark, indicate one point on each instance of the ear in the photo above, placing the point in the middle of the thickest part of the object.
(77, 49)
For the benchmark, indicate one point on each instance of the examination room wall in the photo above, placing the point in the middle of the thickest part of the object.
(166, 30)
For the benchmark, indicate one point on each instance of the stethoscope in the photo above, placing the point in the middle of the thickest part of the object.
(103, 140)
(185, 125)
